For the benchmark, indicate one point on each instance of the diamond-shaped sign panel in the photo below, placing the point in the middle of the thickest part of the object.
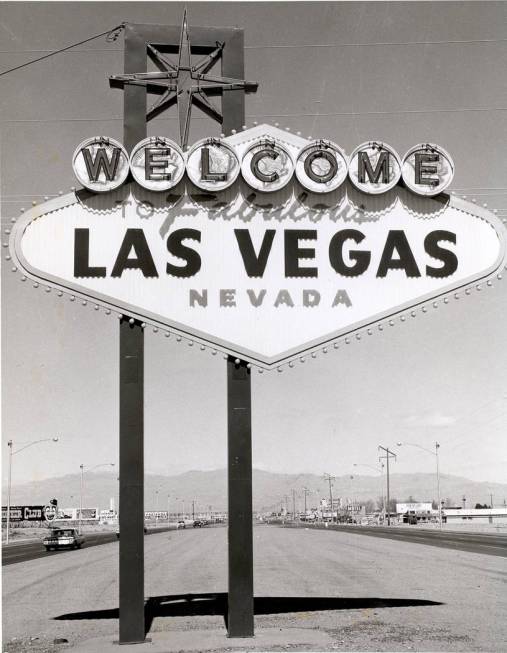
(262, 276)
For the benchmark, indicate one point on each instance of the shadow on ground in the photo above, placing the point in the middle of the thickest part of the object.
(190, 605)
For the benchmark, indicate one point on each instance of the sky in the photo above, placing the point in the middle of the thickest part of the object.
(402, 73)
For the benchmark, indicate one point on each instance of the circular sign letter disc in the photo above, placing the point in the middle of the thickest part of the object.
(100, 164)
(212, 164)
(50, 512)
(374, 167)
(321, 167)
(267, 166)
(157, 163)
(427, 169)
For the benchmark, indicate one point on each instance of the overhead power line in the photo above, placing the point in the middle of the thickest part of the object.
(112, 35)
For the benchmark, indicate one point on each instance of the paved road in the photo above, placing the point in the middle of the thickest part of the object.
(23, 551)
(345, 590)
(487, 543)
(30, 550)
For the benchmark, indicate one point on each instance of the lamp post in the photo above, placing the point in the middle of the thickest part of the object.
(10, 444)
(330, 479)
(433, 453)
(389, 454)
(82, 468)
(381, 472)
(306, 492)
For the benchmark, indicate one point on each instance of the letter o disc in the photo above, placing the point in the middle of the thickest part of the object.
(375, 153)
(174, 163)
(220, 164)
(321, 167)
(273, 164)
(106, 149)
(444, 169)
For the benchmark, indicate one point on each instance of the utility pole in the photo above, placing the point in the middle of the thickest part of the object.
(81, 467)
(389, 454)
(491, 500)
(286, 497)
(293, 505)
(193, 509)
(330, 479)
(306, 492)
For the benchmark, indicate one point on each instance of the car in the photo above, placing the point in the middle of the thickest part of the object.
(198, 523)
(181, 524)
(63, 538)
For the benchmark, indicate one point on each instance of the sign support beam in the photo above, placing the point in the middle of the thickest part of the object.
(131, 519)
(240, 617)
(240, 603)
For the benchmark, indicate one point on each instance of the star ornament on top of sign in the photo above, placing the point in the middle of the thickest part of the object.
(184, 84)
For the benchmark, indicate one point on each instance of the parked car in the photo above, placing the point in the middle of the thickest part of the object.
(198, 523)
(63, 538)
(181, 524)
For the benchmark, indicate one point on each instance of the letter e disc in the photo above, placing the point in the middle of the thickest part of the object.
(427, 169)
(100, 164)
(212, 164)
(157, 163)
(321, 167)
(374, 167)
(267, 166)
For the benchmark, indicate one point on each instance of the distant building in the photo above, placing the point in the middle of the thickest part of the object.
(415, 512)
(475, 515)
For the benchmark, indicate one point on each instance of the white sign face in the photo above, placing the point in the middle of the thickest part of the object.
(416, 507)
(260, 276)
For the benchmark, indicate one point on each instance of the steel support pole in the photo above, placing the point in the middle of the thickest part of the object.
(240, 621)
(131, 519)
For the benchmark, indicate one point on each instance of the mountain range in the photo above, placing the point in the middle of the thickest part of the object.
(270, 490)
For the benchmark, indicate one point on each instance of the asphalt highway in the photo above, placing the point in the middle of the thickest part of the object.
(29, 550)
(314, 590)
(486, 543)
(32, 549)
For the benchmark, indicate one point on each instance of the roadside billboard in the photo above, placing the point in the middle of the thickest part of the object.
(156, 514)
(24, 513)
(415, 507)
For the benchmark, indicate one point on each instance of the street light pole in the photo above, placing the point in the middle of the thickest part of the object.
(434, 453)
(330, 479)
(381, 471)
(306, 491)
(388, 455)
(9, 444)
(9, 487)
(82, 467)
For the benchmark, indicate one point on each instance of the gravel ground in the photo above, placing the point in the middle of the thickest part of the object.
(368, 577)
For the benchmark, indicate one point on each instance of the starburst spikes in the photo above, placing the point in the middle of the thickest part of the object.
(183, 83)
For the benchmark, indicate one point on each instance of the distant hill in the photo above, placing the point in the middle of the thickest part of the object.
(209, 488)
